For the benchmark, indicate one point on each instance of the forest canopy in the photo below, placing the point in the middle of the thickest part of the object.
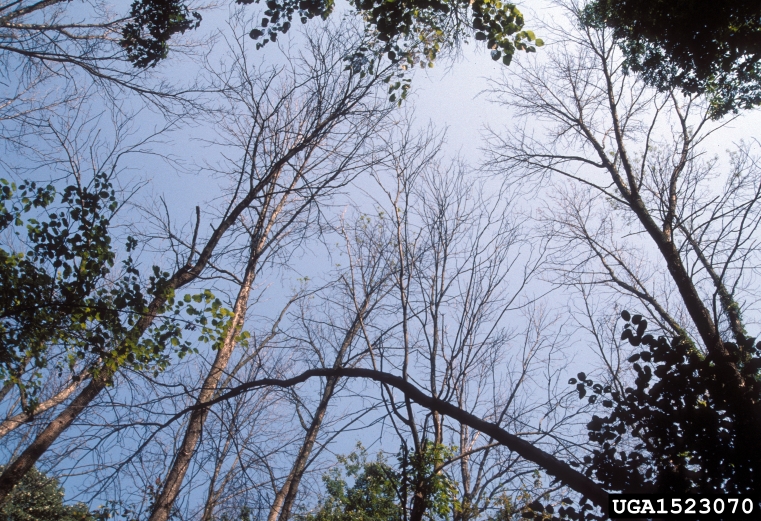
(694, 45)
(250, 283)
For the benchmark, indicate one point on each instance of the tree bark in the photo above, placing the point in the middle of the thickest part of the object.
(286, 496)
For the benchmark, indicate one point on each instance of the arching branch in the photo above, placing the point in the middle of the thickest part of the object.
(552, 465)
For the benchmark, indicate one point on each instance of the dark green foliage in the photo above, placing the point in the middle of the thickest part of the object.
(697, 46)
(40, 498)
(680, 429)
(154, 22)
(54, 292)
(406, 31)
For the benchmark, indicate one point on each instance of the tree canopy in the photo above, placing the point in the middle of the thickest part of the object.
(40, 498)
(414, 31)
(410, 31)
(146, 36)
(688, 432)
(697, 46)
(381, 492)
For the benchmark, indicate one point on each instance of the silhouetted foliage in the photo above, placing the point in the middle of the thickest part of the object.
(697, 46)
(409, 31)
(680, 429)
(154, 22)
(413, 31)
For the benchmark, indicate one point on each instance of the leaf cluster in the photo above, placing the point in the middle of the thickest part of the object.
(63, 296)
(543, 510)
(413, 32)
(372, 496)
(697, 46)
(380, 492)
(146, 36)
(40, 498)
(407, 32)
(680, 429)
(56, 291)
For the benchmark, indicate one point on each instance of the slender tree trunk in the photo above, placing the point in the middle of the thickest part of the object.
(463, 513)
(662, 237)
(214, 492)
(286, 496)
(18, 469)
(163, 504)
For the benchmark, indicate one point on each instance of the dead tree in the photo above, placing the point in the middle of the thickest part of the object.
(632, 191)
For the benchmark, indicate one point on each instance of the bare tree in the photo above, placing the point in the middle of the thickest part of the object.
(633, 192)
(278, 110)
(459, 268)
(463, 249)
(360, 287)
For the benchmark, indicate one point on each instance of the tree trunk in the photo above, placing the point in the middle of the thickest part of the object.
(163, 504)
(286, 496)
(662, 237)
(18, 469)
(214, 492)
